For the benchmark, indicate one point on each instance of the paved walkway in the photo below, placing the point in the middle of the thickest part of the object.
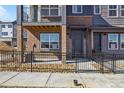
(62, 80)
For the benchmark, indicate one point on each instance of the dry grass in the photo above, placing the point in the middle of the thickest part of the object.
(18, 66)
(99, 67)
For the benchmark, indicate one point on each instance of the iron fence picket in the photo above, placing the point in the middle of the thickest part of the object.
(31, 60)
(45, 61)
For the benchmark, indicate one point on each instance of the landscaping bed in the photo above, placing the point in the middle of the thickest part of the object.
(14, 66)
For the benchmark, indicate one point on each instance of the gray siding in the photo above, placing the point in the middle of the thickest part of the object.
(87, 11)
(105, 46)
(105, 20)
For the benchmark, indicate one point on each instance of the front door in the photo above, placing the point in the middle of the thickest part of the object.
(77, 42)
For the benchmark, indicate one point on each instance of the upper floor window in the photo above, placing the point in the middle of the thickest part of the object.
(9, 26)
(2, 26)
(50, 10)
(77, 9)
(122, 10)
(4, 33)
(113, 10)
(113, 41)
(97, 9)
(49, 40)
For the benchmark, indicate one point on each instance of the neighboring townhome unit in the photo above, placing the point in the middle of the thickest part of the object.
(79, 21)
(45, 26)
(108, 29)
(8, 32)
(95, 28)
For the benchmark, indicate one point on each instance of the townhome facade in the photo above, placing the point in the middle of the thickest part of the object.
(45, 26)
(8, 32)
(71, 29)
(108, 29)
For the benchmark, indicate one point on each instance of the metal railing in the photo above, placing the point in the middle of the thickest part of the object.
(31, 14)
(53, 62)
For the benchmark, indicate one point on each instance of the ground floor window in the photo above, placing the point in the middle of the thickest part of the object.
(113, 41)
(121, 41)
(49, 40)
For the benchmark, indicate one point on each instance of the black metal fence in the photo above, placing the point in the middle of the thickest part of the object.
(53, 62)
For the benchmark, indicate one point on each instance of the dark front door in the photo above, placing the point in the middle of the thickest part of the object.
(77, 42)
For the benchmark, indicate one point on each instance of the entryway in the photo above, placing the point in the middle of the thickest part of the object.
(78, 42)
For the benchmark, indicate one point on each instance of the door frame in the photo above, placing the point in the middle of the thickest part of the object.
(83, 40)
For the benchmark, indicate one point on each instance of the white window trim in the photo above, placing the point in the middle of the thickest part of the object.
(11, 25)
(49, 43)
(2, 25)
(113, 9)
(120, 11)
(4, 35)
(77, 12)
(117, 41)
(121, 42)
(99, 10)
(49, 8)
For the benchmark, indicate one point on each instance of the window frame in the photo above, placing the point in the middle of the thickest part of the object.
(99, 10)
(5, 34)
(76, 11)
(9, 25)
(58, 41)
(3, 25)
(121, 42)
(113, 9)
(49, 9)
(121, 11)
(116, 41)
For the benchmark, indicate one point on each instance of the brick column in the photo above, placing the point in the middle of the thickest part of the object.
(19, 38)
(20, 41)
(63, 43)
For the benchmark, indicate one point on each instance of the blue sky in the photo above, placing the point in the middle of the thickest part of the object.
(7, 12)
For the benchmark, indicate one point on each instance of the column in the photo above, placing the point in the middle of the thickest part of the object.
(92, 40)
(19, 38)
(88, 42)
(63, 13)
(39, 13)
(63, 43)
(31, 15)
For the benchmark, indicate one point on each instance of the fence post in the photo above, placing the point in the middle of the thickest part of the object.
(114, 63)
(0, 60)
(13, 55)
(102, 63)
(74, 55)
(31, 60)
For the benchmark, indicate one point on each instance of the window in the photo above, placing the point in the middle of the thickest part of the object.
(3, 26)
(113, 10)
(77, 9)
(49, 40)
(4, 33)
(113, 41)
(50, 10)
(121, 41)
(122, 10)
(97, 9)
(9, 26)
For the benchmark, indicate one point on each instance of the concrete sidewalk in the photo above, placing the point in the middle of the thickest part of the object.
(62, 80)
